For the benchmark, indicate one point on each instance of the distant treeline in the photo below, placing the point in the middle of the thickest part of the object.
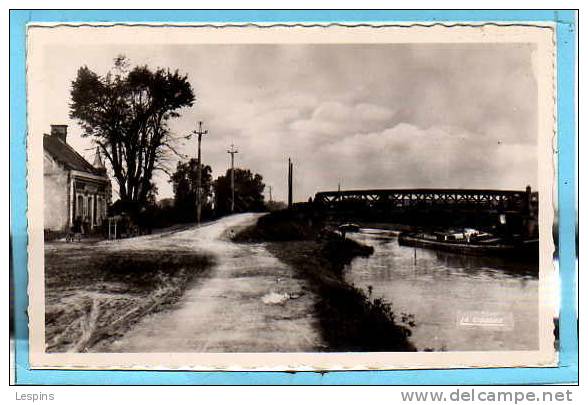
(216, 197)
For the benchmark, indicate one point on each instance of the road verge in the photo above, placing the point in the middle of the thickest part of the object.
(93, 296)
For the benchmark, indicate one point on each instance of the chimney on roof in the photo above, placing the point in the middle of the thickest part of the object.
(60, 131)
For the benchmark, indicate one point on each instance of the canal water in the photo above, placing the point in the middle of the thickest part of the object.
(459, 303)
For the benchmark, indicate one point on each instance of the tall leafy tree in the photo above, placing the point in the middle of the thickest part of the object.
(127, 114)
(184, 181)
(249, 189)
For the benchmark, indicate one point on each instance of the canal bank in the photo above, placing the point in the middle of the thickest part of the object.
(350, 319)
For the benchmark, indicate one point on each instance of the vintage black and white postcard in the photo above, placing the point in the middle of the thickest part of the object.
(257, 197)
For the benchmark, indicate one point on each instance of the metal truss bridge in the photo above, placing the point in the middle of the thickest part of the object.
(428, 198)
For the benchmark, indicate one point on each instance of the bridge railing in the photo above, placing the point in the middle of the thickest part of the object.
(502, 200)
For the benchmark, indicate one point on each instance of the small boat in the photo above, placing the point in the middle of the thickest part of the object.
(349, 227)
(474, 243)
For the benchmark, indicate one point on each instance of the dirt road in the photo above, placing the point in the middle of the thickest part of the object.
(249, 301)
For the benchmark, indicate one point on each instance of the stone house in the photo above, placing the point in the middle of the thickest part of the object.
(73, 188)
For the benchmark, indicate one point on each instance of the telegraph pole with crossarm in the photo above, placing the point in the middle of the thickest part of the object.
(200, 132)
(232, 151)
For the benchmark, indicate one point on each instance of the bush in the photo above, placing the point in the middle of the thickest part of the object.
(351, 321)
(342, 251)
(279, 226)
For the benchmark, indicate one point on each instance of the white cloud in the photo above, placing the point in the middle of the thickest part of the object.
(336, 119)
(408, 156)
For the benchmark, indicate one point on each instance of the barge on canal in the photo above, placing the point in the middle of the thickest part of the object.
(472, 242)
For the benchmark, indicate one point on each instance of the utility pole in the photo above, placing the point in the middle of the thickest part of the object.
(270, 193)
(200, 132)
(290, 175)
(232, 151)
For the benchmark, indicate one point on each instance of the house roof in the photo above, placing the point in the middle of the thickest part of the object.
(67, 155)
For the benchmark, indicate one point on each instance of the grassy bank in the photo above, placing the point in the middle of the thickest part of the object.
(350, 320)
(93, 296)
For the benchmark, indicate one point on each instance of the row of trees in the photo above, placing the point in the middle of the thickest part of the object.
(127, 114)
(216, 195)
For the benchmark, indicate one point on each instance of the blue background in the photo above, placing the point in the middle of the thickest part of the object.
(566, 33)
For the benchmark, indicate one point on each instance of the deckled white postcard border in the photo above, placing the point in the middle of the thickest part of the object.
(541, 34)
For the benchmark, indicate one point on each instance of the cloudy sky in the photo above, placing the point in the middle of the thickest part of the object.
(364, 116)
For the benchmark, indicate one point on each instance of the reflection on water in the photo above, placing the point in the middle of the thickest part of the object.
(459, 302)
